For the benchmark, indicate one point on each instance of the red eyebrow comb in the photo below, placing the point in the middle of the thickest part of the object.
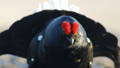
(66, 26)
(75, 27)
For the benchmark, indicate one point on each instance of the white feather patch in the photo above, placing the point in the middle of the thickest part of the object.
(57, 4)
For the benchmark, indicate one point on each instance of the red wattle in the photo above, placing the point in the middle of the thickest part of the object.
(75, 27)
(66, 27)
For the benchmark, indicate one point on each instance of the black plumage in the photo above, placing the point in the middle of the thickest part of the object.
(17, 38)
(53, 48)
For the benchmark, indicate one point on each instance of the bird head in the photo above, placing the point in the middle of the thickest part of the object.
(64, 28)
(64, 44)
(65, 40)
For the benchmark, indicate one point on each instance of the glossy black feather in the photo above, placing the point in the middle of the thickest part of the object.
(17, 38)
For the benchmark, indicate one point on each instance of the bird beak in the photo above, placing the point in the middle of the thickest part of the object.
(72, 38)
(73, 41)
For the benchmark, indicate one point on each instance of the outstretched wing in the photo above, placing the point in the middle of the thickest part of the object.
(17, 38)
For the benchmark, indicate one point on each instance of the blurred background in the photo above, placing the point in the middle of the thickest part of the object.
(107, 12)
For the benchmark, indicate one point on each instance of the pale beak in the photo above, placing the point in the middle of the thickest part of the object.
(73, 41)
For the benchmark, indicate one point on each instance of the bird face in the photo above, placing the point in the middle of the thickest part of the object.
(70, 29)
(64, 31)
(73, 31)
(63, 28)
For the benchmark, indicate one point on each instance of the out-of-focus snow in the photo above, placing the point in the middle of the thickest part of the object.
(103, 62)
(10, 61)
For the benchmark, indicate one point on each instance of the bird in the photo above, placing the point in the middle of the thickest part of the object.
(63, 43)
(18, 38)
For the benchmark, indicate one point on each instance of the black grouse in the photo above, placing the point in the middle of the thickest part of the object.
(19, 38)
